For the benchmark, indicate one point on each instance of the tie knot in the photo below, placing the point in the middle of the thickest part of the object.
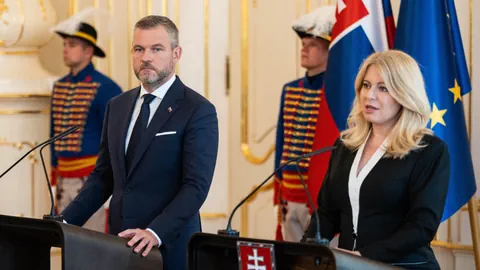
(147, 98)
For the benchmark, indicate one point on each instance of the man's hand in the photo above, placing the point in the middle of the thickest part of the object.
(147, 239)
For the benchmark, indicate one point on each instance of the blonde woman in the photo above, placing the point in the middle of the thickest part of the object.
(388, 177)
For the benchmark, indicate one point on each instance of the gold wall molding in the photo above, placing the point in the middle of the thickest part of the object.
(176, 10)
(227, 75)
(245, 211)
(140, 10)
(22, 23)
(265, 134)
(213, 215)
(20, 52)
(449, 231)
(42, 9)
(149, 7)
(24, 96)
(14, 112)
(244, 142)
(465, 207)
(33, 161)
(3, 9)
(111, 10)
(95, 5)
(19, 145)
(164, 7)
(297, 42)
(72, 7)
(449, 245)
(129, 39)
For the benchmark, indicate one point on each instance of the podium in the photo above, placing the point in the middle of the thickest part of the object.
(25, 243)
(215, 252)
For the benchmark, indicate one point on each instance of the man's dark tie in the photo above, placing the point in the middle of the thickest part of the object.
(138, 130)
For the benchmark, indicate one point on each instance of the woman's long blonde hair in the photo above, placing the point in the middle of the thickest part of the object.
(404, 81)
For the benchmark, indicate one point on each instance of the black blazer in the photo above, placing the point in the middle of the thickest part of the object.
(170, 175)
(401, 205)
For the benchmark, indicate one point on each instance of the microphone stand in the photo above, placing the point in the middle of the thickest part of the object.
(229, 231)
(318, 237)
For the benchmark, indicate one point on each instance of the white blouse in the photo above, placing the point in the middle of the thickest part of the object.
(355, 181)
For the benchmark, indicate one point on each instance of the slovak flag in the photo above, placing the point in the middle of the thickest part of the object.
(362, 27)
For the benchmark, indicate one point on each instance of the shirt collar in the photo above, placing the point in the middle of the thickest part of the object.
(81, 76)
(161, 91)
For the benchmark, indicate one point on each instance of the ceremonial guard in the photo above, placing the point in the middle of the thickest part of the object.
(79, 99)
(297, 121)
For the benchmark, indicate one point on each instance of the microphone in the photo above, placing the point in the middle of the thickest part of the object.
(43, 144)
(52, 215)
(54, 138)
(318, 237)
(229, 232)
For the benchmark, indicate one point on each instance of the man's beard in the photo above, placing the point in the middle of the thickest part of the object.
(158, 78)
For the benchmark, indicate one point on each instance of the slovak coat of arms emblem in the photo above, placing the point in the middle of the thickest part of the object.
(255, 256)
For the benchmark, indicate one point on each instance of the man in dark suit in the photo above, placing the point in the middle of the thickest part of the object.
(158, 152)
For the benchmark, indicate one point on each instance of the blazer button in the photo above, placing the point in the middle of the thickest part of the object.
(127, 190)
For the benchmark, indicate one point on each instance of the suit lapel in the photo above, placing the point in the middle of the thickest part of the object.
(123, 126)
(167, 108)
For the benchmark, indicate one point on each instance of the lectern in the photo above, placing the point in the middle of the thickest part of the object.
(25, 244)
(217, 252)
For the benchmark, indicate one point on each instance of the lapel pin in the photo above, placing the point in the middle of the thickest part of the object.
(169, 109)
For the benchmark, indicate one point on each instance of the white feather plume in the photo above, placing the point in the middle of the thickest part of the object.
(318, 22)
(71, 25)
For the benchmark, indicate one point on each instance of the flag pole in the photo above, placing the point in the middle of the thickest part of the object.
(472, 212)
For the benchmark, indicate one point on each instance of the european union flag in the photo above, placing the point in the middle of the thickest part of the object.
(428, 31)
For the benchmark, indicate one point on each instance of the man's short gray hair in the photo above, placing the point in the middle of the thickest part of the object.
(154, 21)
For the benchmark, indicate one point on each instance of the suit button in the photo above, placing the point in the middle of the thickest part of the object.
(127, 190)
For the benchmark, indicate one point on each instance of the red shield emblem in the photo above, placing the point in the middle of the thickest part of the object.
(255, 256)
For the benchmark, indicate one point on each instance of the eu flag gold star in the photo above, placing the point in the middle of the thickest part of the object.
(437, 116)
(457, 93)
